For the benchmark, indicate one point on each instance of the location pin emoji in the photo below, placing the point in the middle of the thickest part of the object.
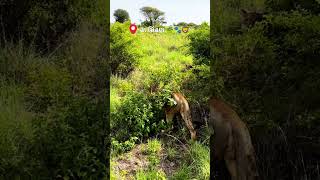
(133, 28)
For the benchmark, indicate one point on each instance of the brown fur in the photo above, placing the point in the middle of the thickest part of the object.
(250, 18)
(181, 107)
(232, 141)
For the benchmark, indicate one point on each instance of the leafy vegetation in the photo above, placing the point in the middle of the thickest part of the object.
(270, 73)
(161, 64)
(52, 90)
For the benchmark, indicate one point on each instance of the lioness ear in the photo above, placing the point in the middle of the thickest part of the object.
(243, 12)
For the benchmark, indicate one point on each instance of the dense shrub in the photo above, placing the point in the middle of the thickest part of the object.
(200, 44)
(46, 23)
(123, 54)
(48, 85)
(269, 72)
(67, 140)
(142, 115)
(16, 62)
(16, 131)
(82, 58)
(53, 119)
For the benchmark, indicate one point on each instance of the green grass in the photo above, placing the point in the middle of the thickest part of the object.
(153, 147)
(156, 49)
(150, 175)
(200, 160)
(184, 172)
(171, 153)
(195, 163)
(15, 125)
(162, 58)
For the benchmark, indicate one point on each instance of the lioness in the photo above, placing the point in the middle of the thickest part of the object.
(250, 18)
(181, 106)
(232, 141)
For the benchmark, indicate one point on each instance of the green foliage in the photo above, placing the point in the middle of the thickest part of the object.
(16, 131)
(171, 153)
(45, 24)
(195, 163)
(138, 99)
(201, 160)
(48, 85)
(153, 147)
(123, 55)
(192, 25)
(150, 175)
(199, 44)
(161, 77)
(80, 57)
(270, 71)
(287, 5)
(120, 147)
(52, 123)
(16, 62)
(66, 140)
(121, 15)
(182, 173)
(182, 24)
(137, 111)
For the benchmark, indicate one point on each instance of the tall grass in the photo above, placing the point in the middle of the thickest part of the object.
(16, 131)
(51, 108)
(195, 163)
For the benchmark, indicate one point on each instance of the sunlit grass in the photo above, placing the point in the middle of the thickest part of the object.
(195, 164)
(166, 48)
(162, 60)
(150, 175)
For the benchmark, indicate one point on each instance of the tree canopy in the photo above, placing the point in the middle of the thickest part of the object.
(121, 15)
(153, 16)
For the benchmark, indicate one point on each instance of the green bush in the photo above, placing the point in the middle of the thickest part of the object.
(81, 56)
(16, 62)
(46, 24)
(53, 118)
(67, 141)
(49, 85)
(163, 77)
(137, 112)
(123, 53)
(143, 115)
(199, 44)
(270, 72)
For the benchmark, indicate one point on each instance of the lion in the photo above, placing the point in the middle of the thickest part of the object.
(232, 142)
(249, 18)
(181, 106)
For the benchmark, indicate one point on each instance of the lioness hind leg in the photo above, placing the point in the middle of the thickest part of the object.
(232, 167)
(187, 119)
(230, 158)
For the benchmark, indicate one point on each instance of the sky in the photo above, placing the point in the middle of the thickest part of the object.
(196, 11)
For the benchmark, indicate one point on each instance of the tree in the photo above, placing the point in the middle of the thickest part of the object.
(182, 24)
(192, 24)
(153, 16)
(121, 15)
